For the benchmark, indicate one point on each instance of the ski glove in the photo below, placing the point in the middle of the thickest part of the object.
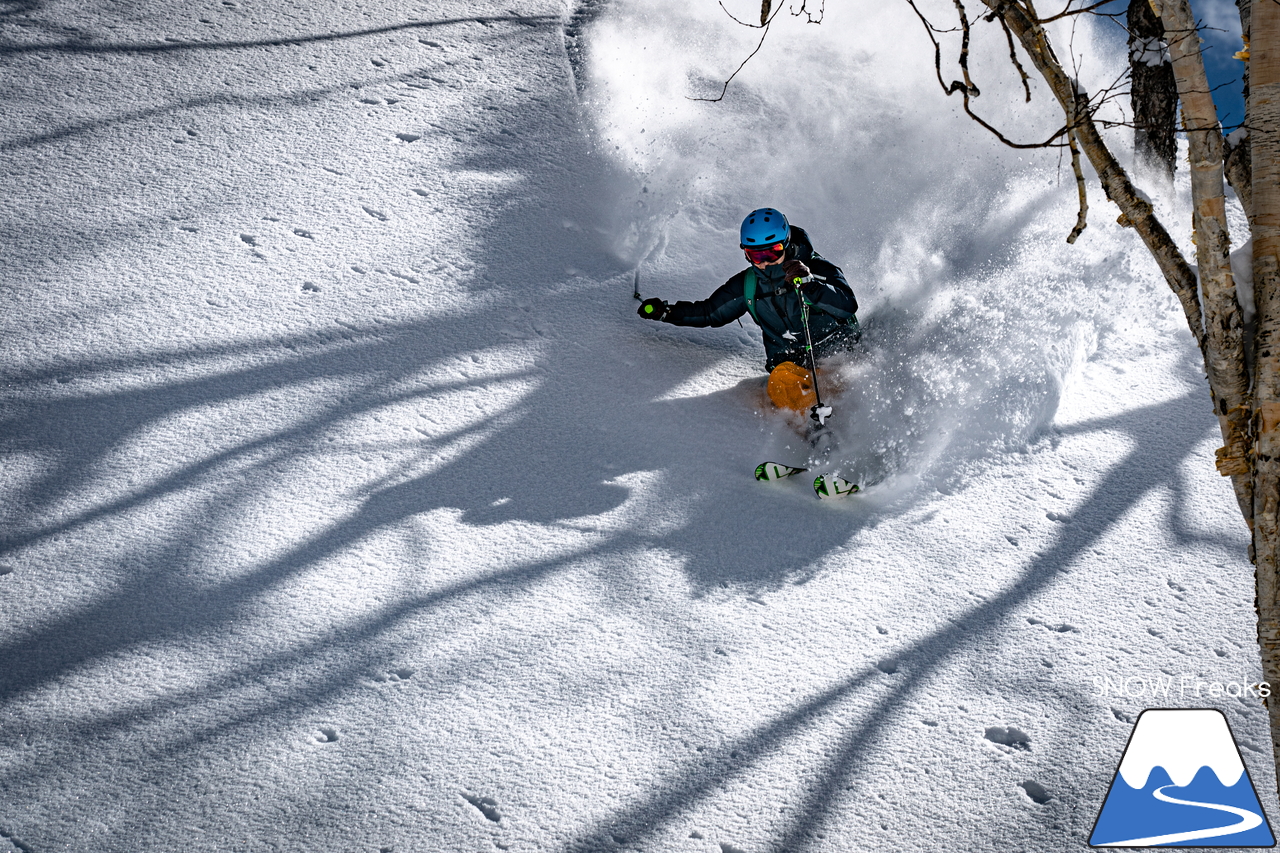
(794, 269)
(653, 309)
(811, 288)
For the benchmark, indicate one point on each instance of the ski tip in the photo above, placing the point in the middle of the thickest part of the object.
(831, 486)
(767, 471)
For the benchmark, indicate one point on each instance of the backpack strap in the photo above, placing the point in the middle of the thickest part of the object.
(749, 293)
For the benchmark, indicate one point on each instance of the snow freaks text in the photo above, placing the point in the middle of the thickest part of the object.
(1178, 687)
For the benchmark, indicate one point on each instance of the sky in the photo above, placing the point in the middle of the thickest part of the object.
(1220, 28)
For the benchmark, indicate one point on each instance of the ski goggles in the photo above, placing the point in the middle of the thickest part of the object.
(765, 254)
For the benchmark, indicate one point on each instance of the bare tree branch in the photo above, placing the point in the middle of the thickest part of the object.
(763, 35)
(804, 10)
(969, 88)
(966, 87)
(737, 20)
(1081, 218)
(1013, 54)
(1069, 12)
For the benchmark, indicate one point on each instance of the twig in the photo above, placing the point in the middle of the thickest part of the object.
(1068, 12)
(1081, 221)
(1013, 53)
(957, 85)
(735, 20)
(803, 10)
(969, 88)
(763, 35)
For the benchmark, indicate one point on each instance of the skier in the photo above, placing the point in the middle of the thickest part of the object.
(779, 254)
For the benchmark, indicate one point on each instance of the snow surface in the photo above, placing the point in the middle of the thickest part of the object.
(346, 503)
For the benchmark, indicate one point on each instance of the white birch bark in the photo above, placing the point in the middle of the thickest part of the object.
(1263, 115)
(1224, 329)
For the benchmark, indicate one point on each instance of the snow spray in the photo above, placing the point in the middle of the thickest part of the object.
(975, 311)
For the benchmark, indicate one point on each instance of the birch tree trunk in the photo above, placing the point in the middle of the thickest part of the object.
(1153, 94)
(1264, 140)
(1239, 170)
(1224, 329)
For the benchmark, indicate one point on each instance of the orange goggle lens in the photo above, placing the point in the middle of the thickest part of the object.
(765, 254)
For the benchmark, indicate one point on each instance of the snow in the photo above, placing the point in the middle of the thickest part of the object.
(1149, 51)
(346, 503)
(1242, 274)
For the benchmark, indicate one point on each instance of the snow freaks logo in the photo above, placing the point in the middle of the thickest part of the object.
(1182, 687)
(1182, 783)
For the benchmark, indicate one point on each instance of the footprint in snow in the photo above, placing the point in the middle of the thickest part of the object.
(1010, 737)
(376, 214)
(16, 844)
(404, 673)
(325, 735)
(1036, 792)
(1063, 628)
(487, 806)
(1123, 716)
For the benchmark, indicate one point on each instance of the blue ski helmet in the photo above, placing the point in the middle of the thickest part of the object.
(763, 227)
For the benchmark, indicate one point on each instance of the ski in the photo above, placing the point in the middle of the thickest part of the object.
(767, 471)
(833, 486)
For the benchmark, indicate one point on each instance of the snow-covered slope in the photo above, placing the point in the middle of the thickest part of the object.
(346, 504)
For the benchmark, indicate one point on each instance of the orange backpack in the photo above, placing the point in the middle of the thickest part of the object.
(791, 387)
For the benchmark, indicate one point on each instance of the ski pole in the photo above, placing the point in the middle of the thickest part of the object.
(817, 412)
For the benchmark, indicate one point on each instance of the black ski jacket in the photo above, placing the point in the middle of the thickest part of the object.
(832, 315)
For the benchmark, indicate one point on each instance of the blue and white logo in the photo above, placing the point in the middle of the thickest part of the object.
(1181, 783)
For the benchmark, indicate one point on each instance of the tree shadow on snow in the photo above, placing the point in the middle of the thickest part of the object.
(300, 98)
(560, 454)
(595, 429)
(83, 47)
(826, 787)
